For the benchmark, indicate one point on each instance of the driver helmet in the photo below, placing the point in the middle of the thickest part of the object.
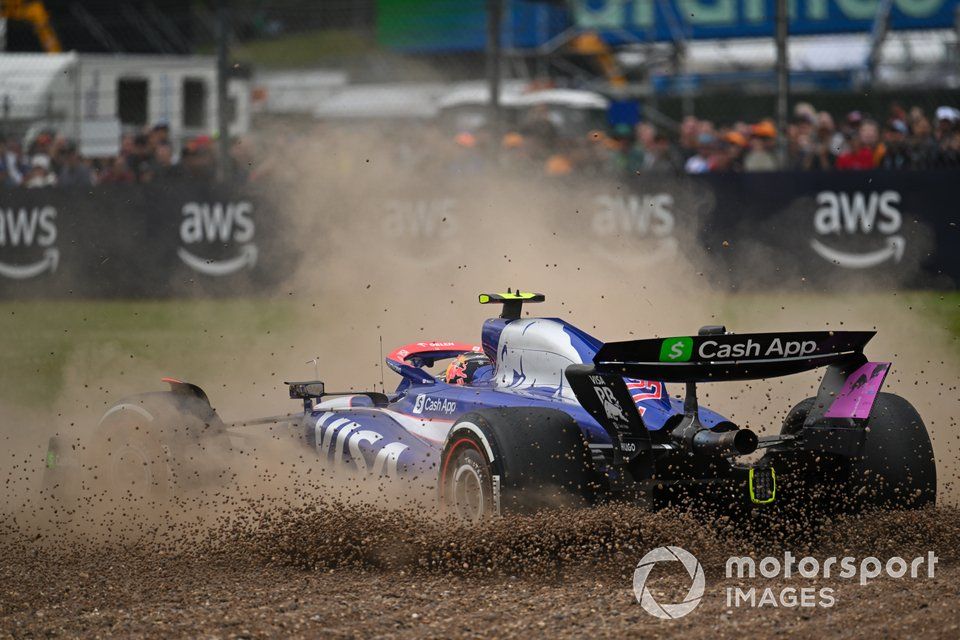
(464, 368)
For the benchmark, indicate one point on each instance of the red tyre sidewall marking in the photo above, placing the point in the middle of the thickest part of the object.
(446, 461)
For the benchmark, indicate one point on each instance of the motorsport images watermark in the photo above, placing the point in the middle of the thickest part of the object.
(789, 566)
(694, 594)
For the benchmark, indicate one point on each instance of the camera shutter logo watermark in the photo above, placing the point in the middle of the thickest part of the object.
(646, 599)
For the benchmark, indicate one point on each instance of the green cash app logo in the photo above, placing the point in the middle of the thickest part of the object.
(676, 349)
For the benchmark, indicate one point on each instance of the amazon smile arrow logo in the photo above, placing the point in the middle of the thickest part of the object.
(219, 223)
(49, 262)
(893, 250)
(246, 259)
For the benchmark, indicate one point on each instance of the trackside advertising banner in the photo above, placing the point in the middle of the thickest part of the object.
(143, 241)
(877, 229)
(839, 231)
(619, 20)
(845, 231)
(459, 25)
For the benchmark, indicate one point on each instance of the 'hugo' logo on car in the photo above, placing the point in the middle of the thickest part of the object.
(840, 213)
(29, 228)
(218, 223)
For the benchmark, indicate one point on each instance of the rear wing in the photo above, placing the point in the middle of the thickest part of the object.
(845, 397)
(746, 356)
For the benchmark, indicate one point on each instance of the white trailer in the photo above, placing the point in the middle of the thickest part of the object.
(94, 98)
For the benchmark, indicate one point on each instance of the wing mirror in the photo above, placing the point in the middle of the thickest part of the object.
(311, 389)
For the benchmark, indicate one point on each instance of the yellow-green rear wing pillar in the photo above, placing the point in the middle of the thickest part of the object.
(512, 301)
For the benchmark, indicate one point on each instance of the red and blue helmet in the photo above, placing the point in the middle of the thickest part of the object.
(464, 369)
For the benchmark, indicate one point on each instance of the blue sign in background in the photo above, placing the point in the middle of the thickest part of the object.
(435, 26)
(625, 20)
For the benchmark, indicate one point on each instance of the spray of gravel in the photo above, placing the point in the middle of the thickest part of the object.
(382, 281)
(383, 265)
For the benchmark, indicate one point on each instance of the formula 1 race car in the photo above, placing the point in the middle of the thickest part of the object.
(549, 415)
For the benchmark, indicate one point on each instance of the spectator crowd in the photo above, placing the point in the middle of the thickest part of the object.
(50, 159)
(815, 141)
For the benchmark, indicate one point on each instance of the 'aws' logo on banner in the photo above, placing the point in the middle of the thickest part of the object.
(220, 224)
(29, 228)
(842, 215)
(650, 218)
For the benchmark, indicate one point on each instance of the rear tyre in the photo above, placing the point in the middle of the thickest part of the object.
(896, 469)
(513, 460)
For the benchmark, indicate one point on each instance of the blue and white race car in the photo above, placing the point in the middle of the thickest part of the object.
(540, 414)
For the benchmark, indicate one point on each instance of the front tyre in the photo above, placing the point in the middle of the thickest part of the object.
(153, 446)
(133, 459)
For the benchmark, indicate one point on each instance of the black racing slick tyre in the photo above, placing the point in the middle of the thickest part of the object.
(154, 445)
(896, 468)
(513, 460)
(132, 457)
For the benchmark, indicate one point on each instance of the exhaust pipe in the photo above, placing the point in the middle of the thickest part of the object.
(738, 442)
(725, 439)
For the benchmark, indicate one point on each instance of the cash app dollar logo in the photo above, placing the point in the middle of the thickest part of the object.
(676, 350)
